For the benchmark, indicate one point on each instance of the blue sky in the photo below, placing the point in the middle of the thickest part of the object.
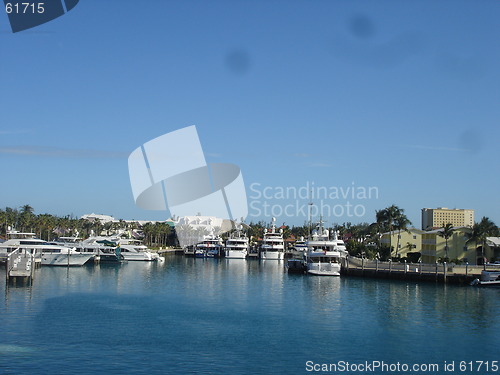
(402, 96)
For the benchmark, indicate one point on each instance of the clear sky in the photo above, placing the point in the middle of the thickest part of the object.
(403, 96)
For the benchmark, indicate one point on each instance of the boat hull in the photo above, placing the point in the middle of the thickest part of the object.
(65, 259)
(323, 273)
(272, 255)
(138, 257)
(323, 269)
(236, 254)
(296, 266)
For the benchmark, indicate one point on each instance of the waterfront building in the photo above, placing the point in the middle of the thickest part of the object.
(191, 230)
(434, 246)
(492, 251)
(102, 218)
(410, 241)
(433, 218)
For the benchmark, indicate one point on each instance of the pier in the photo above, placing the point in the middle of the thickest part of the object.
(438, 272)
(20, 266)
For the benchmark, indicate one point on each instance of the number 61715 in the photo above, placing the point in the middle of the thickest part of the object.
(23, 8)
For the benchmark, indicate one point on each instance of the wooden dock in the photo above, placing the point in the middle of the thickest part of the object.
(438, 272)
(20, 267)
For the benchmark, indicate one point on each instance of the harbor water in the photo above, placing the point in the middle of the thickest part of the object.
(231, 316)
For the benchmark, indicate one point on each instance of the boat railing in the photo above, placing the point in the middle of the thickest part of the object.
(20, 263)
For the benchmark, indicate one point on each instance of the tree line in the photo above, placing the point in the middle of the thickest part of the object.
(362, 239)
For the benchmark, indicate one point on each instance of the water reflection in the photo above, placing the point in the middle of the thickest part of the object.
(237, 307)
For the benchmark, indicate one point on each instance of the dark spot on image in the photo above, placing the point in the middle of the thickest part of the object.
(238, 61)
(361, 26)
(471, 141)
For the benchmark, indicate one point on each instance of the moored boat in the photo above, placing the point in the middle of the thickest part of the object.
(324, 256)
(210, 247)
(46, 253)
(488, 279)
(135, 250)
(273, 245)
(102, 251)
(237, 245)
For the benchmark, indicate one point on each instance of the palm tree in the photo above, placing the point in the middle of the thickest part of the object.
(486, 228)
(26, 218)
(401, 223)
(474, 236)
(3, 221)
(446, 233)
(11, 216)
(480, 231)
(391, 218)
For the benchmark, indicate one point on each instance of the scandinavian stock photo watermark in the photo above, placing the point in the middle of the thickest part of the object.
(310, 199)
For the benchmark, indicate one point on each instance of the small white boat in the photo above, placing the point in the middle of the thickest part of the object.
(324, 256)
(237, 245)
(273, 245)
(488, 278)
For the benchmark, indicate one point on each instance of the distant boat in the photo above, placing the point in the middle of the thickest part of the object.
(237, 245)
(210, 247)
(324, 256)
(127, 249)
(273, 245)
(101, 250)
(135, 250)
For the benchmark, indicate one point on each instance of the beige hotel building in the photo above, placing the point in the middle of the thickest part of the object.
(433, 218)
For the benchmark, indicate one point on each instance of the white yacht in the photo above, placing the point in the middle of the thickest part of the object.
(48, 254)
(101, 250)
(210, 247)
(324, 256)
(135, 250)
(273, 245)
(237, 245)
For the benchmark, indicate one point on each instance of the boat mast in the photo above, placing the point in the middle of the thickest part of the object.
(310, 214)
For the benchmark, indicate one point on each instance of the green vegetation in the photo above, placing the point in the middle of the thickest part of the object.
(363, 239)
(446, 233)
(49, 227)
(485, 228)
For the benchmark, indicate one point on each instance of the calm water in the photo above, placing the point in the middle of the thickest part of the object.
(194, 316)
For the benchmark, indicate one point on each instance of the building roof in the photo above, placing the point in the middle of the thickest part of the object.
(102, 218)
(441, 229)
(493, 241)
(412, 230)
